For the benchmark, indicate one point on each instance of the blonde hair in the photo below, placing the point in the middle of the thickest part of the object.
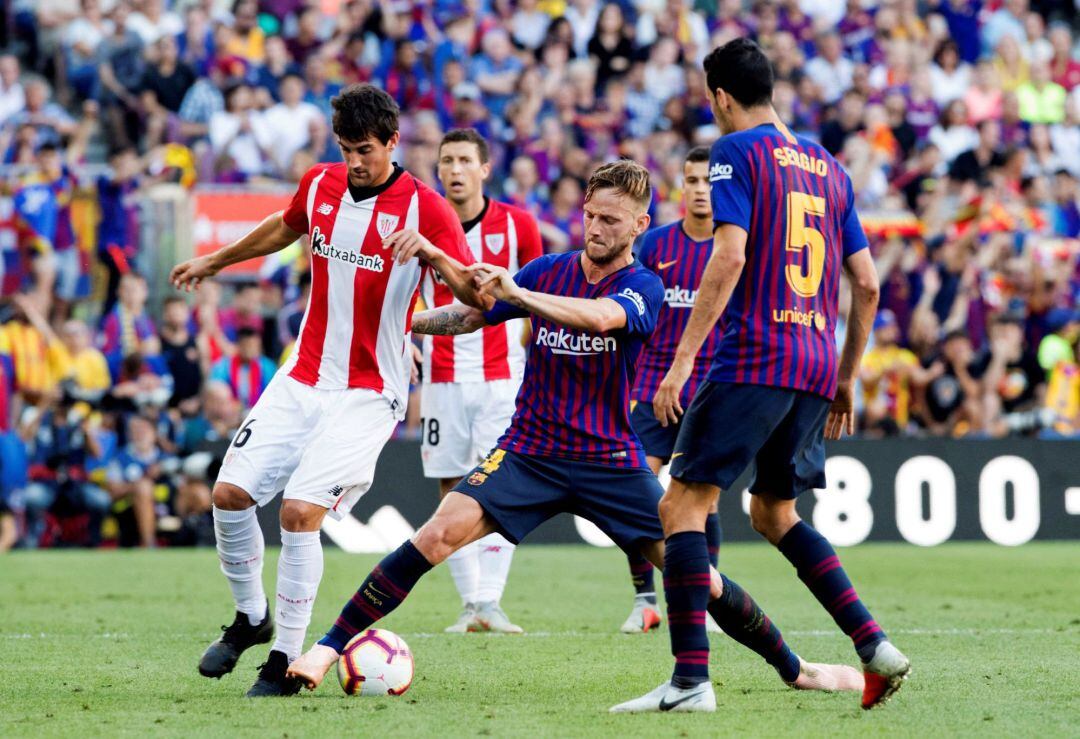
(626, 178)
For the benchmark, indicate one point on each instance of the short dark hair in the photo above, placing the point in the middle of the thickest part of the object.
(741, 69)
(468, 135)
(364, 110)
(698, 154)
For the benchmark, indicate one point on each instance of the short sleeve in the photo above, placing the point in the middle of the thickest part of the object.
(730, 187)
(852, 234)
(527, 278)
(296, 215)
(640, 295)
(439, 224)
(528, 235)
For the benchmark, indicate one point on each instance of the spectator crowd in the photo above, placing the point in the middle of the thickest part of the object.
(958, 121)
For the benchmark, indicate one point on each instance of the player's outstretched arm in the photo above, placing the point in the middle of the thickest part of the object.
(409, 243)
(268, 237)
(721, 274)
(583, 314)
(865, 290)
(448, 320)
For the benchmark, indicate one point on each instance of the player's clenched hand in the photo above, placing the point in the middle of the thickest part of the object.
(841, 413)
(666, 406)
(494, 281)
(188, 275)
(409, 243)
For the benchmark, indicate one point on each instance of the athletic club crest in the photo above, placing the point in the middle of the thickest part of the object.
(494, 242)
(385, 223)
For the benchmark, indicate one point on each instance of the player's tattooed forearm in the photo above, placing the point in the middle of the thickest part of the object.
(448, 321)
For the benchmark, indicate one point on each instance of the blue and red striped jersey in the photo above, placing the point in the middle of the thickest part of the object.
(797, 205)
(574, 400)
(680, 262)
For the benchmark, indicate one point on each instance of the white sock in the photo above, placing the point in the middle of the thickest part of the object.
(464, 567)
(300, 568)
(240, 549)
(495, 554)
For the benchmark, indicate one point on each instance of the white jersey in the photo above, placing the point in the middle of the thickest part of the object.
(355, 331)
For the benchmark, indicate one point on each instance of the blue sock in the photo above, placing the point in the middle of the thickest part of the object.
(641, 574)
(713, 535)
(686, 588)
(383, 591)
(819, 568)
(743, 620)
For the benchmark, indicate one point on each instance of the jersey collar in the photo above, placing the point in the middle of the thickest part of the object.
(366, 193)
(468, 225)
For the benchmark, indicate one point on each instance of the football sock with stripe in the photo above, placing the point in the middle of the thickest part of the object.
(383, 591)
(300, 569)
(240, 550)
(494, 555)
(819, 568)
(641, 574)
(744, 621)
(686, 589)
(713, 535)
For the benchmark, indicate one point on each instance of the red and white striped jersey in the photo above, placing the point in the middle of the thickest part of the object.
(505, 236)
(355, 331)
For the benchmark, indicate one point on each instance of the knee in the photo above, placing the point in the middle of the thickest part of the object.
(668, 508)
(436, 541)
(772, 522)
(231, 498)
(297, 515)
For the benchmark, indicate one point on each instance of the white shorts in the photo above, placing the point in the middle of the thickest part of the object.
(320, 445)
(461, 421)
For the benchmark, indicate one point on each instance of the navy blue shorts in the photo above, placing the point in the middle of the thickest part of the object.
(519, 492)
(657, 440)
(728, 426)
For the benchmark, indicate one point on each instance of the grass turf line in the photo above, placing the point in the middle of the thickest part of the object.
(106, 643)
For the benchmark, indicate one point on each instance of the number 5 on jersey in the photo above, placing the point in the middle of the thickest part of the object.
(801, 236)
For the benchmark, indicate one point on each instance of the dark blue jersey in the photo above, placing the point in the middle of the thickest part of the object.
(797, 206)
(680, 262)
(574, 400)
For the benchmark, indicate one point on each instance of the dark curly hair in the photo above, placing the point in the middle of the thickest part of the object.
(361, 111)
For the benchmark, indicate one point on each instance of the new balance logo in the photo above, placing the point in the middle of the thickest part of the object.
(336, 490)
(720, 172)
(320, 246)
(577, 345)
(325, 209)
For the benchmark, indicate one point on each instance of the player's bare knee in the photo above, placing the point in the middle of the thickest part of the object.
(298, 515)
(435, 540)
(772, 521)
(668, 508)
(231, 498)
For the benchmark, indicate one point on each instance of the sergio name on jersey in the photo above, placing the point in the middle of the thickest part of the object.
(797, 205)
(574, 401)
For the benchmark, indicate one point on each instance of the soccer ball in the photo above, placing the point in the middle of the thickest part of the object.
(375, 662)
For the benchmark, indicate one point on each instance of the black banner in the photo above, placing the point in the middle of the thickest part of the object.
(925, 492)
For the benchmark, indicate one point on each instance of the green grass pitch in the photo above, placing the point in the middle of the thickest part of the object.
(106, 643)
